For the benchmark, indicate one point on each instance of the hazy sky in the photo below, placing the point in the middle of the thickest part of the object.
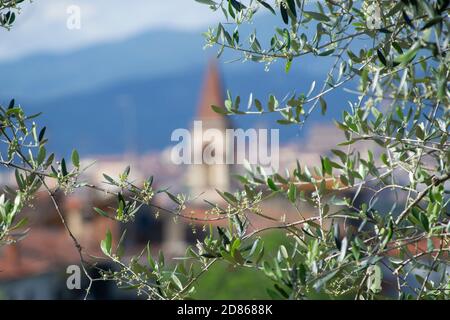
(42, 24)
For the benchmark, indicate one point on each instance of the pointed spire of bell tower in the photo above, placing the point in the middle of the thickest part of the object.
(204, 178)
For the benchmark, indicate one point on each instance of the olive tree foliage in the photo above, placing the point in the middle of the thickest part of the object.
(394, 56)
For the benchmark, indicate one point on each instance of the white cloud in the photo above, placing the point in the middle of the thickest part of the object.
(41, 26)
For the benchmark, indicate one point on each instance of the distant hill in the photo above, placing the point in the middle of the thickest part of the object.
(130, 95)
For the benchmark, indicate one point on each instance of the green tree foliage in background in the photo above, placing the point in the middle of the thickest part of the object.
(395, 54)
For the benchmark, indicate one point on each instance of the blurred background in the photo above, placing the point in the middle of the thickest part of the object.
(115, 89)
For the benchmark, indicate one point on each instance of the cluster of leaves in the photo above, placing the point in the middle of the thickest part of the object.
(8, 215)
